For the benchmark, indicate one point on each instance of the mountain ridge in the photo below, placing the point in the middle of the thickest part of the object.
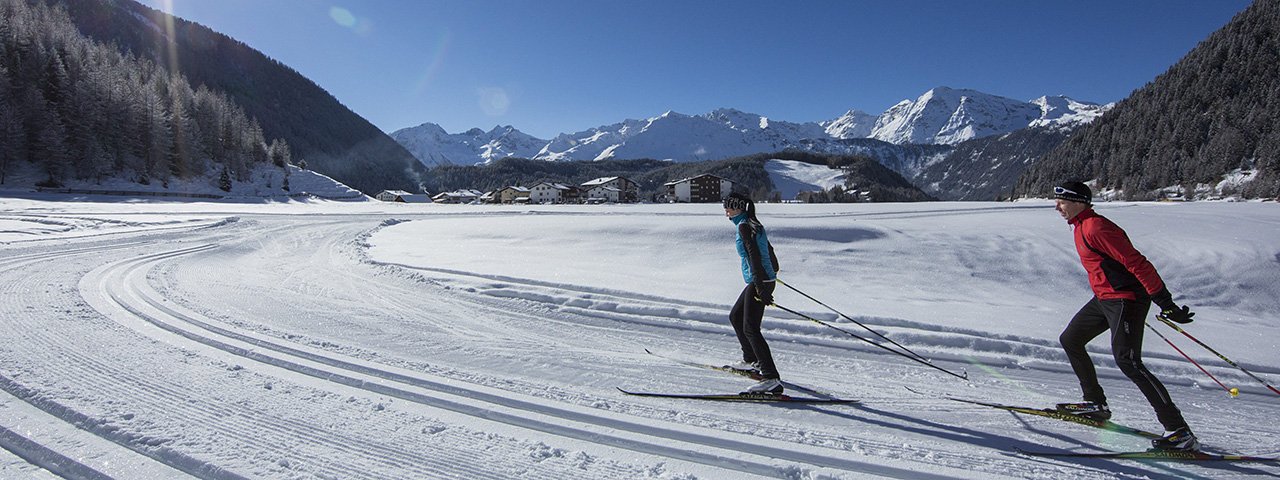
(940, 116)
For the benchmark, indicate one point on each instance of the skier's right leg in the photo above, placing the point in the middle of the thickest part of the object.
(1086, 325)
(737, 318)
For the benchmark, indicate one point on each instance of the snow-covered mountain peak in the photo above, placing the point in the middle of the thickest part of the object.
(942, 115)
(853, 124)
(1060, 110)
(945, 115)
(432, 145)
(738, 120)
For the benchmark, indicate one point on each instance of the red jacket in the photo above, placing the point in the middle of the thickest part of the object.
(1116, 269)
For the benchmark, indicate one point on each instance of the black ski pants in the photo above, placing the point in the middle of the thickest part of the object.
(1126, 320)
(746, 317)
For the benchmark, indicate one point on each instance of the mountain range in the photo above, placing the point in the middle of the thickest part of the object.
(941, 116)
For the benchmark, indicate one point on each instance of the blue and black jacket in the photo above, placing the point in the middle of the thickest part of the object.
(752, 243)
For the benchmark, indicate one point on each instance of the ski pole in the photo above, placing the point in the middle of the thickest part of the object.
(1231, 391)
(1215, 352)
(846, 317)
(854, 335)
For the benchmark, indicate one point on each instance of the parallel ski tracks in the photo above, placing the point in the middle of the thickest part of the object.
(120, 290)
(698, 442)
(249, 427)
(125, 287)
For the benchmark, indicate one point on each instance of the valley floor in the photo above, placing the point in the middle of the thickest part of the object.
(332, 340)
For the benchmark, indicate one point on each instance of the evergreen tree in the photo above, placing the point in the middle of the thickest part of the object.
(280, 155)
(224, 180)
(10, 126)
(78, 108)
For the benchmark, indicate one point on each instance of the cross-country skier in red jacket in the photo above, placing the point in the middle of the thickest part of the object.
(1124, 284)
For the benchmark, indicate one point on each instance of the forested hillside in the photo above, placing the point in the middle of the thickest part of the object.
(331, 138)
(79, 109)
(1214, 112)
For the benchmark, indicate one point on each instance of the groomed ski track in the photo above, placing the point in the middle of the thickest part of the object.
(285, 351)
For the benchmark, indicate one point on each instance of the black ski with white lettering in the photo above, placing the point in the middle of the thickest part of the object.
(1055, 414)
(1166, 455)
(741, 397)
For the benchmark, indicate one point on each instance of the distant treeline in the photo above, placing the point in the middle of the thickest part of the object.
(748, 174)
(79, 109)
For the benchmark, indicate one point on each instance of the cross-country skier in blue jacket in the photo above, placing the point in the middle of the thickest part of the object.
(760, 271)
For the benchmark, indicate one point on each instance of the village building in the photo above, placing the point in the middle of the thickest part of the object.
(705, 188)
(457, 196)
(512, 195)
(547, 192)
(402, 196)
(611, 189)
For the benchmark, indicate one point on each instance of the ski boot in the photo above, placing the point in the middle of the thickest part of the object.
(1089, 410)
(1178, 440)
(770, 386)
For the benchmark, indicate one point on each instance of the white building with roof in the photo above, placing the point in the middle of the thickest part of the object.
(611, 189)
(402, 196)
(547, 192)
(705, 188)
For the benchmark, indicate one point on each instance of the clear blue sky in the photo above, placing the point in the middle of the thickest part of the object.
(553, 66)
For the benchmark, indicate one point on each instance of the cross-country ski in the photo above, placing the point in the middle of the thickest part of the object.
(1066, 417)
(1163, 455)
(741, 397)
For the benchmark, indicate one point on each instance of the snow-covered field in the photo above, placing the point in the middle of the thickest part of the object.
(370, 340)
(791, 177)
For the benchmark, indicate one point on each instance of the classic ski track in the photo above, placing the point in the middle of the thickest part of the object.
(99, 370)
(944, 458)
(142, 230)
(237, 421)
(68, 361)
(654, 440)
(53, 459)
(135, 270)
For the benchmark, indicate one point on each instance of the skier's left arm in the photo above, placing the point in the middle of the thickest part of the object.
(755, 262)
(1112, 241)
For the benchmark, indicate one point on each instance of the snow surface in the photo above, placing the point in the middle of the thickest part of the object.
(1061, 111)
(792, 177)
(264, 183)
(315, 339)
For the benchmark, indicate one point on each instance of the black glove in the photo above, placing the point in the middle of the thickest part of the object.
(1179, 315)
(1169, 310)
(765, 295)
